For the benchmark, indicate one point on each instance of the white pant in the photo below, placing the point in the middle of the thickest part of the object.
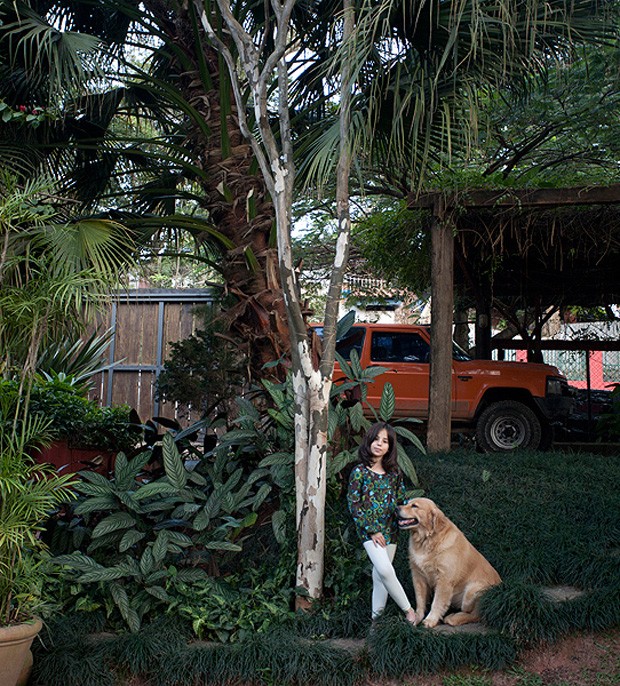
(384, 580)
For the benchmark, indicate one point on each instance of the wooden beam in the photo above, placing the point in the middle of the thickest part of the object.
(442, 315)
(516, 198)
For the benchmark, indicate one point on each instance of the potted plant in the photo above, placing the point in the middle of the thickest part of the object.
(29, 492)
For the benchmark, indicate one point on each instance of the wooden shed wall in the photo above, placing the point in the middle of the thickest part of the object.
(145, 322)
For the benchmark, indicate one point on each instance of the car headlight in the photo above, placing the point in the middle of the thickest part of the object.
(554, 386)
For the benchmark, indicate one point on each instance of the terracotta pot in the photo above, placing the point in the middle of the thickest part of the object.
(15, 642)
(68, 459)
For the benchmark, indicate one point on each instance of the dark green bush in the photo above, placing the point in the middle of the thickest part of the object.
(62, 400)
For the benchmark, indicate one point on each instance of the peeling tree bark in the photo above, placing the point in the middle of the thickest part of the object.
(252, 68)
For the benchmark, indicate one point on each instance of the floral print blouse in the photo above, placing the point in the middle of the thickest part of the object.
(373, 499)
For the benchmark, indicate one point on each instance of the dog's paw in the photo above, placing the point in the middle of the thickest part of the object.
(430, 622)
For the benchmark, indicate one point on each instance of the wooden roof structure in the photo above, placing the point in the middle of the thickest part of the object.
(560, 245)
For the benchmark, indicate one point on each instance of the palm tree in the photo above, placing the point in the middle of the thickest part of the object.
(190, 151)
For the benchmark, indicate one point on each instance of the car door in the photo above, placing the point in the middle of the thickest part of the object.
(406, 356)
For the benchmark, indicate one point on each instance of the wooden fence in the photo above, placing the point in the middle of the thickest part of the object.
(144, 323)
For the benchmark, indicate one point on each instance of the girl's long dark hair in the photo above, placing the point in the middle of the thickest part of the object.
(390, 462)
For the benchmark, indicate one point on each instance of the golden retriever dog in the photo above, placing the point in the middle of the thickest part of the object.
(445, 563)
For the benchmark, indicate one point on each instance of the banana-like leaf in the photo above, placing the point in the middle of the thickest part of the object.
(114, 522)
(222, 545)
(173, 464)
(410, 436)
(105, 502)
(388, 402)
(154, 488)
(406, 465)
(129, 539)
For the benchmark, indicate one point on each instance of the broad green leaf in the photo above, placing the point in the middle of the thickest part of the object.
(340, 461)
(191, 574)
(116, 521)
(160, 546)
(95, 478)
(278, 523)
(222, 545)
(147, 561)
(128, 500)
(345, 367)
(77, 561)
(356, 415)
(388, 402)
(173, 464)
(180, 539)
(103, 574)
(154, 488)
(95, 489)
(120, 597)
(129, 539)
(344, 324)
(159, 593)
(201, 520)
(277, 458)
(107, 502)
(410, 436)
(406, 465)
(263, 492)
(372, 372)
(356, 366)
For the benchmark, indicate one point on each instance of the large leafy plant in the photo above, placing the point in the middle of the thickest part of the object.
(139, 537)
(29, 493)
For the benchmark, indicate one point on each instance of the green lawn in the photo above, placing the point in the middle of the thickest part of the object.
(542, 519)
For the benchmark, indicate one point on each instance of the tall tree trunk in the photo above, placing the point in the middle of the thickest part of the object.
(235, 197)
(311, 385)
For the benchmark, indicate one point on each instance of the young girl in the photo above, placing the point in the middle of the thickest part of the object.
(376, 488)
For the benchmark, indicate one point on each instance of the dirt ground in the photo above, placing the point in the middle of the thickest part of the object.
(578, 660)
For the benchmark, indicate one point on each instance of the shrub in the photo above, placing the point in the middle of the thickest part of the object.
(61, 400)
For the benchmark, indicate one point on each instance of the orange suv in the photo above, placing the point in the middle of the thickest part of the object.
(508, 405)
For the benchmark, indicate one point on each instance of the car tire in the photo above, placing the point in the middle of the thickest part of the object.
(508, 425)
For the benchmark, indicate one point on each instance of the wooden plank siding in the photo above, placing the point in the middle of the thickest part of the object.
(145, 323)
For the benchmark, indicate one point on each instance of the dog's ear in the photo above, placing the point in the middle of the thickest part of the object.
(437, 520)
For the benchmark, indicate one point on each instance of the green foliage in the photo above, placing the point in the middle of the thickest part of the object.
(29, 493)
(394, 225)
(61, 400)
(522, 612)
(397, 650)
(236, 607)
(202, 371)
(141, 538)
(608, 425)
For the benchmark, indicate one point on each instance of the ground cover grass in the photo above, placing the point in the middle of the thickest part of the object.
(542, 519)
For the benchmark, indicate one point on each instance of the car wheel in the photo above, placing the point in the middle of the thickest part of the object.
(508, 425)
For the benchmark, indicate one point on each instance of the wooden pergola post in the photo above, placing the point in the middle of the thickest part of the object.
(442, 314)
